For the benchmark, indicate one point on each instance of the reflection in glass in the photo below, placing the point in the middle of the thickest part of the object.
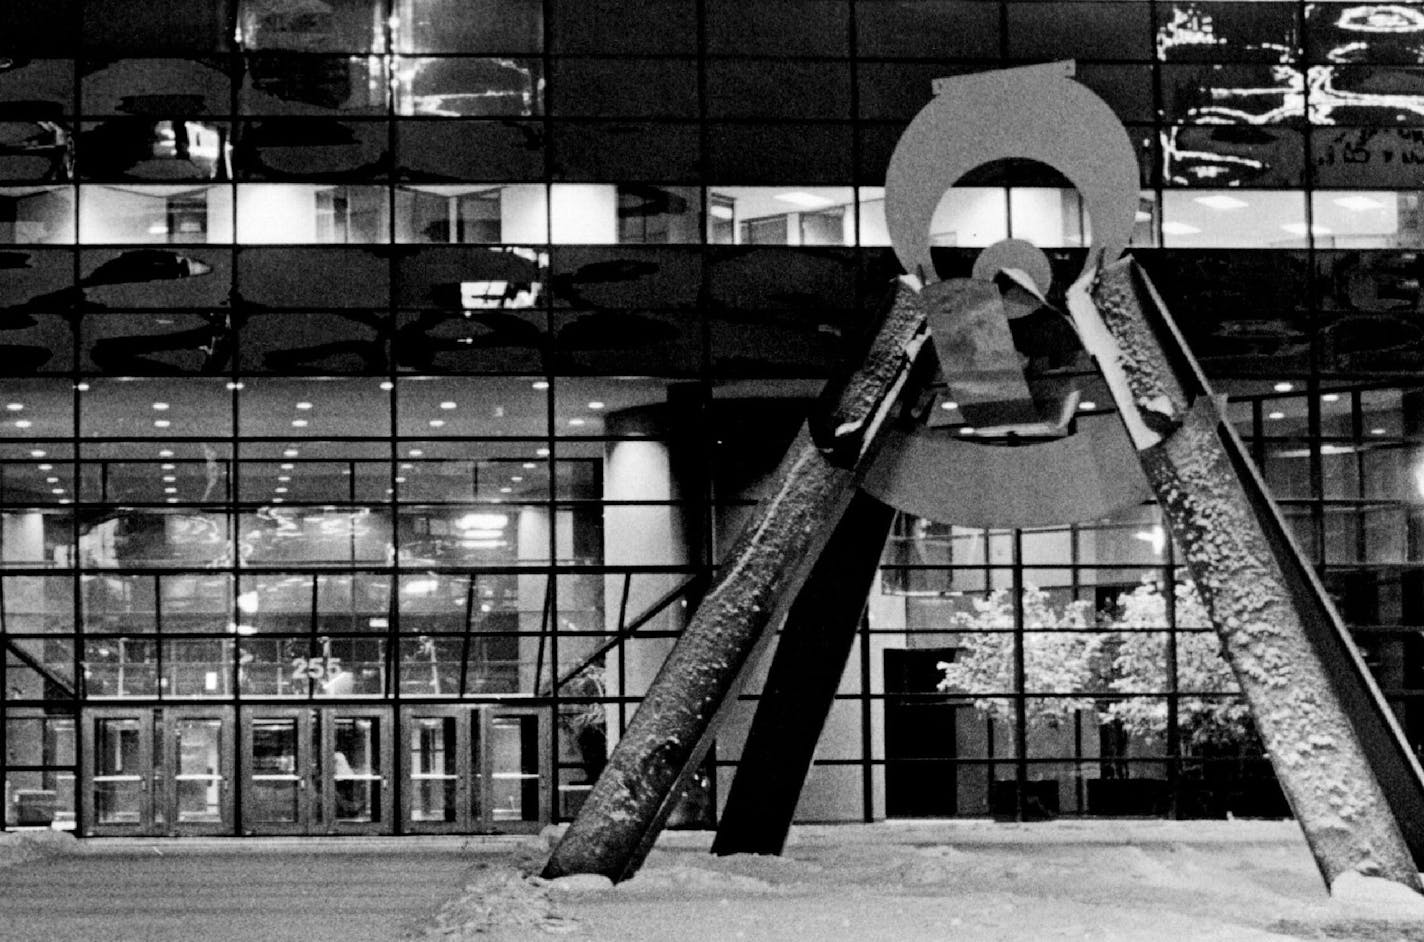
(514, 768)
(275, 792)
(198, 777)
(356, 769)
(468, 87)
(433, 768)
(37, 214)
(119, 771)
(311, 213)
(355, 26)
(121, 667)
(166, 214)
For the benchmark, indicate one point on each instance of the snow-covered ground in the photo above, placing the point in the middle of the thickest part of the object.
(1103, 880)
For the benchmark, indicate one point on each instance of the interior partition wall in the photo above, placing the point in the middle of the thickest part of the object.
(385, 378)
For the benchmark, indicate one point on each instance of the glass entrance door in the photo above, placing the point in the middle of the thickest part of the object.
(475, 770)
(158, 772)
(316, 771)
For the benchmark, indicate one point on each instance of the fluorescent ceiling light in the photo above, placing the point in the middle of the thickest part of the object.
(1357, 203)
(1179, 228)
(802, 198)
(1221, 202)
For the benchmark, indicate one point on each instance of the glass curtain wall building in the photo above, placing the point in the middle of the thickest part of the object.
(382, 380)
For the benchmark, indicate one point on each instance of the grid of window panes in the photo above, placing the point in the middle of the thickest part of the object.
(405, 350)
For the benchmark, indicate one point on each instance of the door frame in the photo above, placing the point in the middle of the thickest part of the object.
(166, 747)
(324, 800)
(465, 719)
(301, 772)
(544, 717)
(143, 827)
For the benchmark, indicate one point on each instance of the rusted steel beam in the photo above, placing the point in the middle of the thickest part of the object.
(811, 488)
(1341, 759)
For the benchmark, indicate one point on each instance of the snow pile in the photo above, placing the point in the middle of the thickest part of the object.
(21, 846)
(498, 902)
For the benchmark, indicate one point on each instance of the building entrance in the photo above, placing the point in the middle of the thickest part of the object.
(316, 771)
(476, 769)
(158, 772)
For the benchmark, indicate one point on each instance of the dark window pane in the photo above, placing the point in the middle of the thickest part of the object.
(38, 27)
(1080, 30)
(1383, 282)
(1126, 88)
(145, 149)
(614, 26)
(157, 25)
(1232, 94)
(778, 27)
(593, 277)
(468, 25)
(660, 343)
(470, 150)
(40, 149)
(37, 279)
(156, 343)
(1215, 32)
(949, 29)
(36, 214)
(36, 87)
(1367, 157)
(190, 276)
(1232, 156)
(319, 278)
(471, 341)
(899, 89)
(1361, 94)
(161, 88)
(778, 153)
(279, 83)
(1196, 283)
(317, 343)
(626, 150)
(777, 89)
(617, 88)
(468, 87)
(1364, 32)
(470, 279)
(36, 343)
(333, 26)
(313, 149)
(778, 279)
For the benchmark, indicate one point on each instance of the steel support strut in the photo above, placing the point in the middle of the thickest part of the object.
(754, 587)
(1341, 759)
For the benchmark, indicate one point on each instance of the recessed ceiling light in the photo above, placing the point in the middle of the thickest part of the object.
(1283, 387)
(530, 466)
(277, 500)
(15, 406)
(165, 453)
(51, 480)
(576, 422)
(284, 478)
(949, 405)
(542, 452)
(1221, 202)
(406, 466)
(1376, 431)
(160, 406)
(170, 478)
(1087, 404)
(233, 386)
(286, 467)
(400, 480)
(387, 385)
(279, 490)
(802, 198)
(1358, 203)
(170, 490)
(290, 453)
(167, 467)
(540, 384)
(1178, 228)
(967, 430)
(595, 405)
(161, 423)
(415, 452)
(437, 423)
(447, 405)
(506, 490)
(23, 423)
(171, 500)
(1275, 415)
(1330, 397)
(46, 467)
(82, 387)
(300, 423)
(57, 490)
(304, 405)
(37, 453)
(516, 478)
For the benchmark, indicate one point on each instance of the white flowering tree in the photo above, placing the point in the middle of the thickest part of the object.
(1086, 669)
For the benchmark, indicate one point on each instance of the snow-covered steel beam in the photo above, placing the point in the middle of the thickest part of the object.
(672, 729)
(1344, 765)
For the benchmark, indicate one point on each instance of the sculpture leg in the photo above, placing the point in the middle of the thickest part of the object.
(801, 684)
(1337, 752)
(672, 728)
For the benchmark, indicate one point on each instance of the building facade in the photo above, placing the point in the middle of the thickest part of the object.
(384, 378)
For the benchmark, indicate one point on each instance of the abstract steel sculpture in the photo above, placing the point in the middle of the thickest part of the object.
(806, 559)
